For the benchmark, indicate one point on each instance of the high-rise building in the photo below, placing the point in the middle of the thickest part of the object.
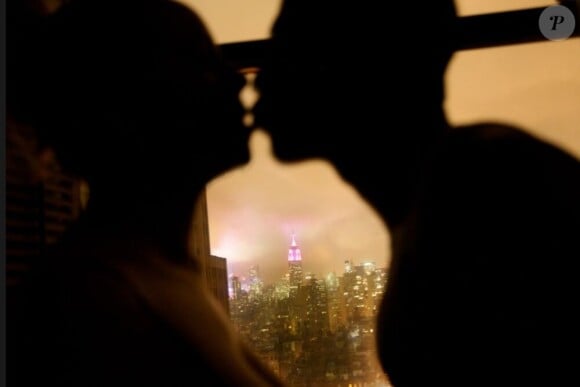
(363, 287)
(255, 284)
(336, 308)
(315, 318)
(282, 288)
(214, 268)
(347, 266)
(217, 279)
(254, 273)
(236, 288)
(295, 265)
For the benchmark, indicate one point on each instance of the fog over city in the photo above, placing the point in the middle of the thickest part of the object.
(254, 210)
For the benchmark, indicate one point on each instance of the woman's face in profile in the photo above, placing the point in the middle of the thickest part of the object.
(223, 144)
(200, 97)
(150, 91)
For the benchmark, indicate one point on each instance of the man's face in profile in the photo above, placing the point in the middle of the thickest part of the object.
(340, 76)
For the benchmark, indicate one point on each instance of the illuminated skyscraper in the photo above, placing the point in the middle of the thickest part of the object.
(254, 273)
(347, 266)
(295, 265)
(255, 283)
(315, 320)
(363, 287)
(336, 306)
(236, 288)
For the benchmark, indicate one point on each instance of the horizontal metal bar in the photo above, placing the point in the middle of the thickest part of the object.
(505, 28)
(473, 32)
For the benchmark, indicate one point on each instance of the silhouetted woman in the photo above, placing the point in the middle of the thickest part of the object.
(134, 97)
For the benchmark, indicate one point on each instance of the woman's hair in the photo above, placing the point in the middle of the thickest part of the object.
(117, 77)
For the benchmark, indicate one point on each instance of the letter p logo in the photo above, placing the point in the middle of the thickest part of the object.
(557, 22)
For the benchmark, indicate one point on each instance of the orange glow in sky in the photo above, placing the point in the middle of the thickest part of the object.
(253, 209)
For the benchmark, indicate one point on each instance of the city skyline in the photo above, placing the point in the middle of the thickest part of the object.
(313, 329)
(294, 257)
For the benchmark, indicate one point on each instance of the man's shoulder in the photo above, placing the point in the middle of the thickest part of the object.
(501, 137)
(495, 190)
(489, 150)
(499, 171)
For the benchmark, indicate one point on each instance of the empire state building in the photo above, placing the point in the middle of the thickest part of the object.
(294, 265)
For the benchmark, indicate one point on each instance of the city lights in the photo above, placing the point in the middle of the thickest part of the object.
(313, 329)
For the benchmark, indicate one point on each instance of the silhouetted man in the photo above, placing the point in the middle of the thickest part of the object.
(484, 219)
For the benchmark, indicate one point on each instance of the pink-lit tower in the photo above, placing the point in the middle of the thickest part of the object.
(294, 265)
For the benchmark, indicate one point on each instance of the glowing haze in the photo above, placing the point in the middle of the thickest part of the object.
(255, 209)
